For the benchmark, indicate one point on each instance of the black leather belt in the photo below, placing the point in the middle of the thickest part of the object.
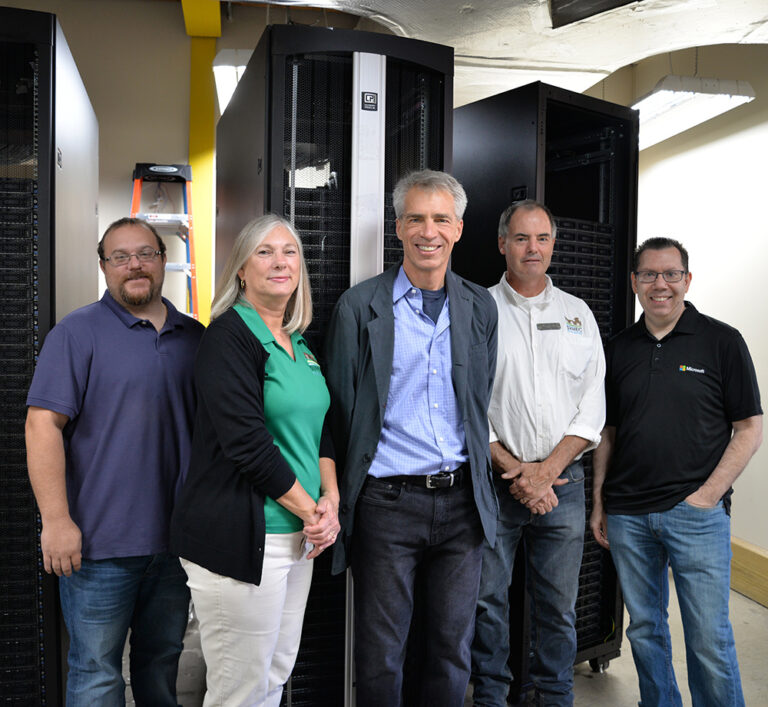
(441, 480)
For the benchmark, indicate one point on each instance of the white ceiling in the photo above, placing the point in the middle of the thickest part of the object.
(502, 44)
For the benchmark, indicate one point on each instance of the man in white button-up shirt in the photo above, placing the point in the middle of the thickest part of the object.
(547, 408)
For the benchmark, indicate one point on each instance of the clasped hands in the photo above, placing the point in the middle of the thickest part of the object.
(323, 527)
(531, 486)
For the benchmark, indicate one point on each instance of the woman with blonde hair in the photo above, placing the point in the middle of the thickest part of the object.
(261, 499)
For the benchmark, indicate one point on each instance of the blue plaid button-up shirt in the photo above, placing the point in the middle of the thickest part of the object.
(423, 432)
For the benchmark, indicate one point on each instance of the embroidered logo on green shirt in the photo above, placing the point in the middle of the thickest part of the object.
(311, 360)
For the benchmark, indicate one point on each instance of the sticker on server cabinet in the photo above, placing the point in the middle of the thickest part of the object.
(370, 101)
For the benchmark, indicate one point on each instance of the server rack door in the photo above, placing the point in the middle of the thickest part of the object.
(37, 197)
(301, 166)
(590, 174)
(416, 134)
(315, 176)
(579, 156)
(315, 171)
(29, 617)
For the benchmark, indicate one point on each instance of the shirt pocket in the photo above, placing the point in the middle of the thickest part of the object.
(575, 356)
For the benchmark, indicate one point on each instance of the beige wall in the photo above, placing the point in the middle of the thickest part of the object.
(708, 188)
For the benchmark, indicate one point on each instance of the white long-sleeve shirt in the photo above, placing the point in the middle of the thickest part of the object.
(549, 372)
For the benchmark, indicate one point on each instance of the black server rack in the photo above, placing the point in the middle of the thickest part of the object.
(578, 155)
(48, 172)
(292, 142)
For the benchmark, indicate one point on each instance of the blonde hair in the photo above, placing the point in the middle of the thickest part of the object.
(298, 312)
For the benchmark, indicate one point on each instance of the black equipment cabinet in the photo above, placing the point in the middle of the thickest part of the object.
(48, 186)
(320, 128)
(578, 155)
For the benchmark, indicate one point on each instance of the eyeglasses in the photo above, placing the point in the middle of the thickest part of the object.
(649, 276)
(145, 255)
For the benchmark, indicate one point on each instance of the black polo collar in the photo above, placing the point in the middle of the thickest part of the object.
(687, 324)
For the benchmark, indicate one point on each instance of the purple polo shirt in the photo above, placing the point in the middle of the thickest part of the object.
(128, 392)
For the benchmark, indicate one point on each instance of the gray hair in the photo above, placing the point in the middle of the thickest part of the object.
(431, 181)
(528, 205)
(660, 243)
(298, 313)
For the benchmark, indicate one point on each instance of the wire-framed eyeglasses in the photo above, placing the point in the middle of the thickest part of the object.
(118, 259)
(649, 276)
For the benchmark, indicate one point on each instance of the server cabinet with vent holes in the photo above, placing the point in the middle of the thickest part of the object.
(48, 237)
(578, 155)
(321, 126)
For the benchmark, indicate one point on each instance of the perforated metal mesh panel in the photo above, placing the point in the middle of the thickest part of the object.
(316, 188)
(415, 134)
(22, 667)
(318, 130)
(579, 156)
(318, 127)
(584, 264)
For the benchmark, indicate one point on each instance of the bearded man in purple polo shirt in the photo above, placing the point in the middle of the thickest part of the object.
(108, 436)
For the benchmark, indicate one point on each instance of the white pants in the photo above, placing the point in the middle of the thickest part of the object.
(250, 634)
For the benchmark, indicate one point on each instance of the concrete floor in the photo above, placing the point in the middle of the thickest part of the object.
(616, 687)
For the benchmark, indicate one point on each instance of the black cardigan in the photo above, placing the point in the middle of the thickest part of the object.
(218, 521)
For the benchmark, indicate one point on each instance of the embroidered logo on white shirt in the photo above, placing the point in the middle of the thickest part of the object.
(574, 326)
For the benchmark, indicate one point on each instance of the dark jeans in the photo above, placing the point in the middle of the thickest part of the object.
(402, 530)
(554, 543)
(147, 594)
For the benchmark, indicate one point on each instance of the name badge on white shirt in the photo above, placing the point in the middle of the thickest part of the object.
(544, 326)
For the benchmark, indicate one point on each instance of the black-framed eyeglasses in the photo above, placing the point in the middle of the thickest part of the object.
(119, 259)
(649, 276)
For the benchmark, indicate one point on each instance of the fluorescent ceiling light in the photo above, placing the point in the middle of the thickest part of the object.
(677, 103)
(228, 68)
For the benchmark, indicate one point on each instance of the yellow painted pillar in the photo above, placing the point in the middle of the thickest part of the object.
(202, 141)
(202, 19)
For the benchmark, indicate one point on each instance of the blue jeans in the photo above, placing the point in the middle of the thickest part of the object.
(696, 543)
(553, 545)
(401, 530)
(147, 594)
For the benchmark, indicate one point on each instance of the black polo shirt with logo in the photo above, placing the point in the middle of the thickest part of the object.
(672, 402)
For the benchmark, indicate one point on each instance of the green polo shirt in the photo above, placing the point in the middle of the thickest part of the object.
(295, 402)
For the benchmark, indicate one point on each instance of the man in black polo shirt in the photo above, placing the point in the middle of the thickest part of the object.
(683, 419)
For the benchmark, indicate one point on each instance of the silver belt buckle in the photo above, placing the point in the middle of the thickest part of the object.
(433, 480)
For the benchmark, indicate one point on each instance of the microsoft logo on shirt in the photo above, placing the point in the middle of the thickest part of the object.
(691, 369)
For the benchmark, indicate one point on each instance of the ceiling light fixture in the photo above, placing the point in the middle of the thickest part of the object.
(228, 68)
(677, 103)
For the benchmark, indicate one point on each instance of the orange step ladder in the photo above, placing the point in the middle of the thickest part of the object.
(177, 223)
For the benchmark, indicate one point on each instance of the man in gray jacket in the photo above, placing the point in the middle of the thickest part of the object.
(410, 360)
